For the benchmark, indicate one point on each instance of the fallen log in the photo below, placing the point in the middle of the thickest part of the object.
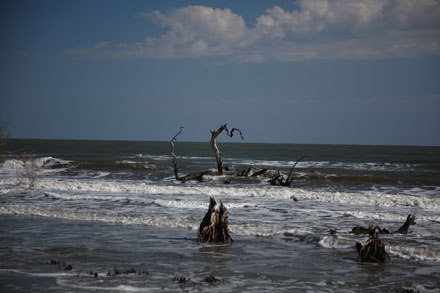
(214, 227)
(373, 250)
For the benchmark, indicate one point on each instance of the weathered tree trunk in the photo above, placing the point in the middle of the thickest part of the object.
(410, 220)
(214, 226)
(176, 169)
(213, 142)
(373, 250)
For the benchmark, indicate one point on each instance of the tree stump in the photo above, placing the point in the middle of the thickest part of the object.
(373, 250)
(214, 226)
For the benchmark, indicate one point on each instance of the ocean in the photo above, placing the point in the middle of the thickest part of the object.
(83, 216)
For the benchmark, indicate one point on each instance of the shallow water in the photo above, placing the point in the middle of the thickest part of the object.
(101, 206)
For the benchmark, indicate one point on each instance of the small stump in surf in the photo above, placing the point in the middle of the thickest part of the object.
(214, 226)
(373, 250)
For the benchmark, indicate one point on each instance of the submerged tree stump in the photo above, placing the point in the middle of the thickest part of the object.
(214, 226)
(373, 250)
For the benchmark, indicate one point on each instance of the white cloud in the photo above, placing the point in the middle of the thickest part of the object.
(318, 29)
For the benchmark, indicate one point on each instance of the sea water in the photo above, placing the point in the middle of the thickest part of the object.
(105, 207)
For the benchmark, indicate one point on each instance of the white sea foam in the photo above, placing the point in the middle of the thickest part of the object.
(417, 253)
(97, 215)
(372, 198)
(101, 175)
(40, 164)
(389, 216)
(372, 166)
(335, 242)
(48, 275)
(196, 205)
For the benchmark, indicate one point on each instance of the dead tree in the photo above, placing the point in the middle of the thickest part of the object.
(214, 227)
(176, 169)
(373, 250)
(279, 180)
(410, 220)
(213, 142)
(198, 177)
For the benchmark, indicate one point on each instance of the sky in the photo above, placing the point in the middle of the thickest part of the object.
(318, 72)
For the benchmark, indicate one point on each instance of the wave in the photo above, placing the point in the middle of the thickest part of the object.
(361, 166)
(364, 198)
(38, 162)
(99, 216)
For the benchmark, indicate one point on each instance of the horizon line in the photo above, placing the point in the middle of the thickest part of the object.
(224, 142)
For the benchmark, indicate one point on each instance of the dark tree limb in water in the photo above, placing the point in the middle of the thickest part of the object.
(247, 172)
(373, 250)
(410, 220)
(198, 177)
(213, 142)
(214, 227)
(362, 230)
(279, 180)
(259, 173)
(244, 173)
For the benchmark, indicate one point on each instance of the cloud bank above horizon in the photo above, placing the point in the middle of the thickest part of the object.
(321, 29)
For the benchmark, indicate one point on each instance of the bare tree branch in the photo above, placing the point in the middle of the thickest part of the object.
(176, 169)
(198, 177)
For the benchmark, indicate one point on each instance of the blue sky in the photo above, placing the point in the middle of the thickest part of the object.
(329, 72)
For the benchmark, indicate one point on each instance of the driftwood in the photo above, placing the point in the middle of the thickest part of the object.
(279, 179)
(410, 220)
(244, 173)
(247, 172)
(213, 142)
(214, 227)
(198, 177)
(373, 250)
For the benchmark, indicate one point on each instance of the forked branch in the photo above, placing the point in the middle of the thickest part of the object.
(213, 142)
